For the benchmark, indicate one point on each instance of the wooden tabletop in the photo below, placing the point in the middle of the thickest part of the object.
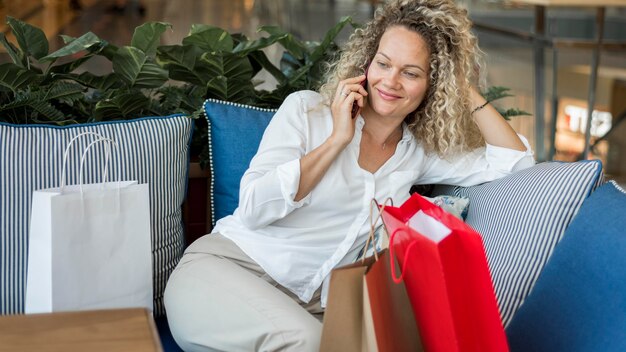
(101, 330)
(573, 3)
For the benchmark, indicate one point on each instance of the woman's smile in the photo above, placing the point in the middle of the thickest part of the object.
(386, 95)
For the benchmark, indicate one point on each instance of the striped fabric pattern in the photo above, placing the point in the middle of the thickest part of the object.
(522, 217)
(150, 150)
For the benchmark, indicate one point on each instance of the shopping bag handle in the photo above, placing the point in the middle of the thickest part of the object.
(67, 152)
(373, 221)
(398, 279)
(109, 142)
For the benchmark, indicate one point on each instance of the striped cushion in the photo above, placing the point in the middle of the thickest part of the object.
(522, 217)
(151, 150)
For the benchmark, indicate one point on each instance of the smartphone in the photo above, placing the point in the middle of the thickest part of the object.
(355, 106)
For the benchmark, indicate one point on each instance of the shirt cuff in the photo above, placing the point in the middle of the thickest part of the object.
(289, 179)
(509, 160)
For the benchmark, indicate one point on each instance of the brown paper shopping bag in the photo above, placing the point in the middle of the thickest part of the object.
(367, 311)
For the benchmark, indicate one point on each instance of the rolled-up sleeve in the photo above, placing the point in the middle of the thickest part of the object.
(510, 160)
(479, 166)
(270, 184)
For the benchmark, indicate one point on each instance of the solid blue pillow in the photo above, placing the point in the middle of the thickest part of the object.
(579, 300)
(235, 132)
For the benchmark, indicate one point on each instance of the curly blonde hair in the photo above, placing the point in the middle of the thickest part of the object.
(442, 122)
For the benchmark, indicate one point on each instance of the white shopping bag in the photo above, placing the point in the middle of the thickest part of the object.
(89, 246)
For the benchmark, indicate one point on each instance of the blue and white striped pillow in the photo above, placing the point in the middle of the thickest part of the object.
(522, 217)
(150, 150)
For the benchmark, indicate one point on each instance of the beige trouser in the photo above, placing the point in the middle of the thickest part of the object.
(219, 299)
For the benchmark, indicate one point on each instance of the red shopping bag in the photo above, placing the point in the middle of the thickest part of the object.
(445, 272)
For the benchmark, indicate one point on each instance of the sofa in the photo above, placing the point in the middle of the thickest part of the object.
(554, 234)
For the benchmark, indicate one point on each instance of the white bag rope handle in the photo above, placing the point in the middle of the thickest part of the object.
(67, 150)
(373, 221)
(109, 142)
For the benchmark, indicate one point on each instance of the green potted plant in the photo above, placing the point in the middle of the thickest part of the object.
(149, 79)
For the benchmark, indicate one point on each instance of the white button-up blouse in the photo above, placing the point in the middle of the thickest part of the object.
(299, 243)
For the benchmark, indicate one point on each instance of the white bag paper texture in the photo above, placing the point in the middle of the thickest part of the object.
(90, 249)
(428, 226)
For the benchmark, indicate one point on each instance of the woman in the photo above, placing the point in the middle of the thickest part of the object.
(258, 282)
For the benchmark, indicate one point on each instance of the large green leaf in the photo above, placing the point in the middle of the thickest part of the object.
(16, 55)
(103, 83)
(103, 48)
(63, 91)
(261, 59)
(228, 65)
(127, 63)
(329, 39)
(72, 65)
(47, 112)
(109, 51)
(186, 98)
(132, 65)
(147, 36)
(31, 39)
(209, 38)
(74, 46)
(122, 106)
(15, 77)
(294, 46)
(246, 47)
(232, 76)
(39, 108)
(171, 98)
(238, 38)
(233, 90)
(298, 77)
(183, 63)
(47, 103)
(150, 76)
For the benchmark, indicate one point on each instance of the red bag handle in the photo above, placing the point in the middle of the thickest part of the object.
(395, 278)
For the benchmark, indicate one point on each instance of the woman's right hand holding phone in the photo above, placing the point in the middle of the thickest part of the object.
(349, 92)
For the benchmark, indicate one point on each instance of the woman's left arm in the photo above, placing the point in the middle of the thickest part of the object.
(505, 152)
(494, 128)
